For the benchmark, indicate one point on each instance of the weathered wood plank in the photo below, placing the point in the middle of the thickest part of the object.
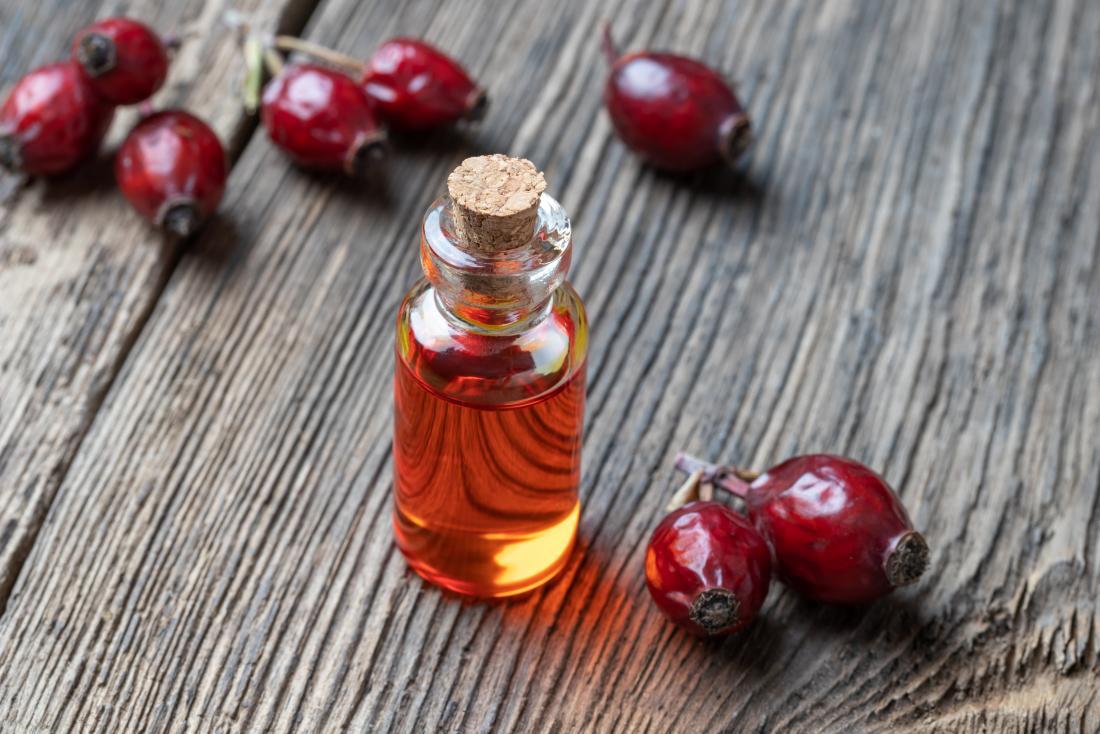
(906, 272)
(79, 272)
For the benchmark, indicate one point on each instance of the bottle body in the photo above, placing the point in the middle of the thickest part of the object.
(488, 422)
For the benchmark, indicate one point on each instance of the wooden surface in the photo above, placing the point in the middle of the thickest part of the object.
(79, 274)
(194, 444)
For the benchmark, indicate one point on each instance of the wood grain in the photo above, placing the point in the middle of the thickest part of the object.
(904, 271)
(79, 272)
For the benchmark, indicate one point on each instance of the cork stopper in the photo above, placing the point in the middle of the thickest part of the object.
(496, 201)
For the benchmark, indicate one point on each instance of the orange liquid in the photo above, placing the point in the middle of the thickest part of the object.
(486, 495)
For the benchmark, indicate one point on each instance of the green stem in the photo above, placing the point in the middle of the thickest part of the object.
(254, 73)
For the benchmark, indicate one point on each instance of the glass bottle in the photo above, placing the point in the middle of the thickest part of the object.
(489, 387)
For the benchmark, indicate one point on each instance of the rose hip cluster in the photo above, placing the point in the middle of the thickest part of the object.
(171, 166)
(330, 118)
(826, 526)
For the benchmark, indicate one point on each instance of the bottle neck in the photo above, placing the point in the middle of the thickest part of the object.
(497, 291)
(493, 321)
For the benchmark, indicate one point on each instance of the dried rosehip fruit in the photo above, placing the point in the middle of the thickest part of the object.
(172, 169)
(708, 569)
(676, 113)
(415, 86)
(51, 121)
(322, 119)
(125, 61)
(838, 532)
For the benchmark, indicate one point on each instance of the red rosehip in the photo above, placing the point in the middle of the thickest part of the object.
(674, 112)
(322, 119)
(125, 61)
(172, 169)
(839, 532)
(51, 121)
(414, 86)
(708, 569)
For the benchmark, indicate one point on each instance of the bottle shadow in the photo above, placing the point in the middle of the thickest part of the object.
(785, 619)
(578, 613)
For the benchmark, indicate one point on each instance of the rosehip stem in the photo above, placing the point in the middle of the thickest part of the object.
(688, 492)
(322, 53)
(273, 60)
(730, 478)
(254, 73)
(607, 43)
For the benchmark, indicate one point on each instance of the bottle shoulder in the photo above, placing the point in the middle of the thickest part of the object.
(486, 367)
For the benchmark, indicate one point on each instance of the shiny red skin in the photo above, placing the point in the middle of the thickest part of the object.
(172, 158)
(52, 120)
(319, 117)
(139, 65)
(674, 112)
(702, 546)
(831, 522)
(415, 86)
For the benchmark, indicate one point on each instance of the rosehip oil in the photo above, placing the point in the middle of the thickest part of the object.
(489, 388)
(497, 516)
